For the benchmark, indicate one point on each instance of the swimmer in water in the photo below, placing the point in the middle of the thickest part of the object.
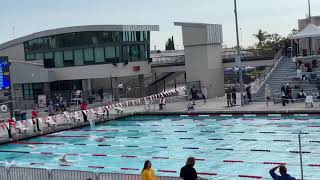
(64, 159)
(100, 140)
(31, 146)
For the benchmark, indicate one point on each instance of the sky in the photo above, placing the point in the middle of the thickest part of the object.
(22, 17)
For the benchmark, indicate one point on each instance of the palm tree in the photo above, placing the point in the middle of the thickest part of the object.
(262, 37)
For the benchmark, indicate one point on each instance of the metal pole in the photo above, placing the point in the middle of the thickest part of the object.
(309, 7)
(310, 40)
(112, 97)
(238, 49)
(301, 166)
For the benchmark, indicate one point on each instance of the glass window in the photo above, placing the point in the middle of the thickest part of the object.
(30, 56)
(99, 55)
(110, 52)
(88, 55)
(143, 54)
(58, 59)
(39, 56)
(126, 53)
(117, 52)
(78, 57)
(135, 52)
(48, 55)
(67, 55)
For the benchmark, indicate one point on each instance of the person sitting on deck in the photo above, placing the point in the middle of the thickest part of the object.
(190, 106)
(301, 94)
(283, 173)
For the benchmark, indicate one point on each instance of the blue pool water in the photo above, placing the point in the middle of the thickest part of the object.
(227, 146)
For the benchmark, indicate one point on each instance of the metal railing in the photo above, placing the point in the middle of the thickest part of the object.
(267, 74)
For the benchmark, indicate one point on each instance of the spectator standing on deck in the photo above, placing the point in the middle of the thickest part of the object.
(234, 96)
(50, 109)
(283, 95)
(188, 172)
(283, 173)
(248, 91)
(267, 94)
(229, 103)
(147, 172)
(83, 108)
(34, 117)
(162, 102)
(193, 93)
(100, 93)
(204, 94)
(289, 93)
(62, 104)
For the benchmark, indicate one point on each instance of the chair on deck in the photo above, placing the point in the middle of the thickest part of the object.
(309, 102)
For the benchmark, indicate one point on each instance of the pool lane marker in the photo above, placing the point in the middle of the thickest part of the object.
(249, 176)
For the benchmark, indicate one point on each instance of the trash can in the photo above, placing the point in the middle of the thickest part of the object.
(16, 114)
(23, 115)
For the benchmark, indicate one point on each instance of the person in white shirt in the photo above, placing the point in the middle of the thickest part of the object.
(267, 94)
(204, 94)
(299, 73)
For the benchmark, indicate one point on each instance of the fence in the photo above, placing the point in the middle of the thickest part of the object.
(19, 173)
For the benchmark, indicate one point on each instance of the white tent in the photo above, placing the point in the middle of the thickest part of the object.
(311, 31)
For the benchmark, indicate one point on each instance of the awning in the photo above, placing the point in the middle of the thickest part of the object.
(310, 31)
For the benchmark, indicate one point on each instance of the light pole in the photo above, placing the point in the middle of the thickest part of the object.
(241, 38)
(310, 40)
(238, 57)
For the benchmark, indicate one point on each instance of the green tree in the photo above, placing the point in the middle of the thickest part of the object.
(170, 44)
(262, 37)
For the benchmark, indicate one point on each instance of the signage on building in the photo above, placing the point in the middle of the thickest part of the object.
(136, 68)
(5, 83)
(42, 101)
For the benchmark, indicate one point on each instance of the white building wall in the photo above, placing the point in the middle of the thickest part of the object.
(14, 53)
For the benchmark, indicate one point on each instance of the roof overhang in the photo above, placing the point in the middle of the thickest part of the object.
(64, 30)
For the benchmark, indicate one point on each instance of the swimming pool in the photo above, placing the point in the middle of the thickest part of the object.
(226, 147)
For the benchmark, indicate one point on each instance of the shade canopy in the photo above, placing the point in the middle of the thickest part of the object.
(310, 31)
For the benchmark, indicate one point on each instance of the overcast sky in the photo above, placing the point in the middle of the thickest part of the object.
(29, 16)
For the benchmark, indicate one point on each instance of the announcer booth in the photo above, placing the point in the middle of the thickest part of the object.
(5, 83)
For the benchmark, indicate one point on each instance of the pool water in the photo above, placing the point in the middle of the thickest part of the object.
(225, 147)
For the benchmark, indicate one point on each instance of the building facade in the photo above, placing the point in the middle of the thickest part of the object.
(77, 58)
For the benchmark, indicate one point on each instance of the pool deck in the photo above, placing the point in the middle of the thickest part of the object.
(212, 106)
(219, 105)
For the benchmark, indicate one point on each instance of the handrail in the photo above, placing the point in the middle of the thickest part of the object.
(277, 56)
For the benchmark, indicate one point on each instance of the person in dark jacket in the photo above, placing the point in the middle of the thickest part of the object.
(248, 91)
(234, 96)
(187, 172)
(229, 103)
(283, 173)
(193, 93)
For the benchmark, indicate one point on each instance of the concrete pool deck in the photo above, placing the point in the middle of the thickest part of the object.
(219, 105)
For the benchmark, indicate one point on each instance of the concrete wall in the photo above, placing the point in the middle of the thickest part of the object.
(24, 72)
(204, 63)
(15, 52)
(203, 56)
(303, 23)
(194, 36)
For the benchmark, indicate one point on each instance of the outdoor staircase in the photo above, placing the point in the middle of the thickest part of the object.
(283, 73)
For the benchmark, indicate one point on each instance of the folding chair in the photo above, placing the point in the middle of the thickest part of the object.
(309, 102)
